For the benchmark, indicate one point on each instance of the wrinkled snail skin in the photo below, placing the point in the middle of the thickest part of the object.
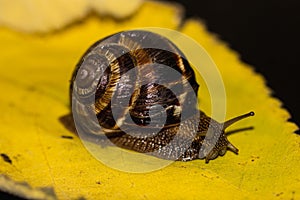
(102, 74)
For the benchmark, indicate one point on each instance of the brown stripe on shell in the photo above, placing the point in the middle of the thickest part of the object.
(117, 64)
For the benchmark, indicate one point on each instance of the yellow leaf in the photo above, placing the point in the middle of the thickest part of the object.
(116, 8)
(36, 148)
(44, 15)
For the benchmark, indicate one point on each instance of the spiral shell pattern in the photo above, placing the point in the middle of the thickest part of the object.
(142, 94)
(97, 79)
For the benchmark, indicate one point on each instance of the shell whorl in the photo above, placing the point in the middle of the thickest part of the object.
(111, 59)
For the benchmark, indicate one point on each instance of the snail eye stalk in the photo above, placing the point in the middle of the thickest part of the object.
(236, 119)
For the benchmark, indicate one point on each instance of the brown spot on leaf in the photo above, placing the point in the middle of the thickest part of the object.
(279, 194)
(6, 158)
(98, 182)
(67, 137)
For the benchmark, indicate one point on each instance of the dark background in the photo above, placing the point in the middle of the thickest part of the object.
(266, 35)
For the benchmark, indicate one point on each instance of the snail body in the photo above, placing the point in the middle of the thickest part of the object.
(122, 80)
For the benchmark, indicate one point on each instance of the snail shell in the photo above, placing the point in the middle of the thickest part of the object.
(101, 82)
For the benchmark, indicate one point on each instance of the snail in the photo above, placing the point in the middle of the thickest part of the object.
(149, 114)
